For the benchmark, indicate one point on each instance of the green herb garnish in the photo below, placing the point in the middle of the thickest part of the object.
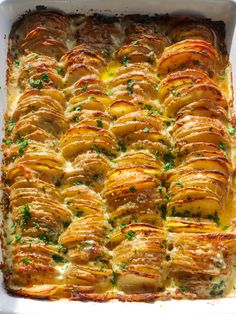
(129, 235)
(57, 258)
(222, 145)
(132, 189)
(125, 61)
(99, 123)
(26, 261)
(79, 213)
(122, 265)
(232, 130)
(130, 85)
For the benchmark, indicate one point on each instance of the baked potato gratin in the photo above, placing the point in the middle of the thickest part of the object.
(118, 159)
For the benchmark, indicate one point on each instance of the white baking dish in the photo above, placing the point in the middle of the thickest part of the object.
(10, 10)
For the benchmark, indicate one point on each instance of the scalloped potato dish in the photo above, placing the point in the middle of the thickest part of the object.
(119, 159)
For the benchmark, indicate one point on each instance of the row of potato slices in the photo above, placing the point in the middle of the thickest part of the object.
(189, 54)
(138, 130)
(214, 157)
(36, 212)
(101, 31)
(82, 67)
(202, 180)
(80, 200)
(199, 151)
(144, 259)
(35, 160)
(198, 186)
(33, 105)
(181, 92)
(81, 70)
(189, 90)
(47, 34)
(79, 62)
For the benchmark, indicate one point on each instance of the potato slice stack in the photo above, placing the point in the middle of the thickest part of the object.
(33, 167)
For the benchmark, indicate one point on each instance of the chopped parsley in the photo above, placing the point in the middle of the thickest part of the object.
(11, 124)
(18, 237)
(38, 83)
(26, 261)
(17, 63)
(180, 184)
(45, 77)
(125, 61)
(23, 144)
(146, 130)
(61, 248)
(169, 165)
(121, 148)
(77, 108)
(215, 217)
(152, 111)
(169, 161)
(158, 155)
(122, 265)
(122, 226)
(106, 52)
(45, 238)
(135, 42)
(159, 189)
(57, 258)
(217, 289)
(232, 130)
(183, 289)
(163, 211)
(222, 145)
(129, 235)
(99, 123)
(7, 142)
(26, 215)
(35, 83)
(84, 88)
(58, 183)
(79, 213)
(114, 278)
(60, 70)
(168, 123)
(132, 189)
(75, 118)
(66, 224)
(130, 85)
(168, 196)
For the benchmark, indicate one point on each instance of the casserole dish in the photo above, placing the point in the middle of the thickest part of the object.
(137, 11)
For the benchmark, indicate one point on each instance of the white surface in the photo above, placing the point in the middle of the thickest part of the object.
(215, 9)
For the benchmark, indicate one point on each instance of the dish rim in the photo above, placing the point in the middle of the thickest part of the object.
(205, 306)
